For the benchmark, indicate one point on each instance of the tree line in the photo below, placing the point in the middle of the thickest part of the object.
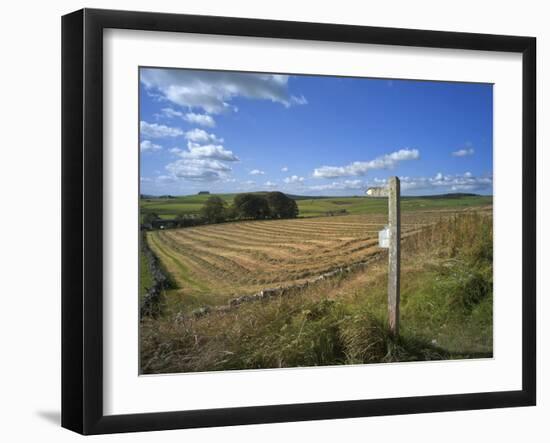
(248, 206)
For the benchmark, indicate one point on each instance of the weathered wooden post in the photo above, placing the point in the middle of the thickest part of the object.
(394, 253)
(390, 238)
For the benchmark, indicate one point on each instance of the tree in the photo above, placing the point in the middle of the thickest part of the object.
(231, 213)
(214, 210)
(281, 206)
(183, 220)
(149, 218)
(251, 206)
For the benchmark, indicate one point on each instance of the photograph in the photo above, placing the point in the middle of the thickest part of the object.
(292, 220)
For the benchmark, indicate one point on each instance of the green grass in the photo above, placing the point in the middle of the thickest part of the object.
(145, 278)
(367, 205)
(311, 207)
(170, 207)
(446, 313)
(174, 299)
(433, 309)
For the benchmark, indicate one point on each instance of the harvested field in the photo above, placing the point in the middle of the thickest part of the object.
(446, 308)
(213, 264)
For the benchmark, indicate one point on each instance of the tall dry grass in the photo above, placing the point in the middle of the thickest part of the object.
(446, 312)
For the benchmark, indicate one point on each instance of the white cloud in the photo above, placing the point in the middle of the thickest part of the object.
(190, 117)
(466, 182)
(361, 168)
(339, 186)
(217, 152)
(200, 119)
(212, 91)
(201, 136)
(202, 162)
(198, 169)
(169, 112)
(284, 169)
(301, 100)
(294, 179)
(165, 179)
(270, 184)
(155, 130)
(463, 152)
(256, 172)
(148, 146)
(439, 183)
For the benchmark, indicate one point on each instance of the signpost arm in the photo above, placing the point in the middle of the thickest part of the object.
(394, 253)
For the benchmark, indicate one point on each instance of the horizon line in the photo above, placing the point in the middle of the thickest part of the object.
(307, 195)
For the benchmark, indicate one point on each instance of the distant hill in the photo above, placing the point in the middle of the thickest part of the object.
(305, 197)
(310, 206)
(437, 196)
(310, 197)
(451, 195)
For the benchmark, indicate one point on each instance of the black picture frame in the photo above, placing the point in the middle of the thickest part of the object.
(82, 218)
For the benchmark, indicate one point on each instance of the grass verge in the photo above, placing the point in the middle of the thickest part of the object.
(446, 313)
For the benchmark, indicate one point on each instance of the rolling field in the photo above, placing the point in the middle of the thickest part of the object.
(170, 207)
(446, 294)
(312, 207)
(368, 205)
(214, 263)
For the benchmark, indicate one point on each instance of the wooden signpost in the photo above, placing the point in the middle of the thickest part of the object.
(390, 238)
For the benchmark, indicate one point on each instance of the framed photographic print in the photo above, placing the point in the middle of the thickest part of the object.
(269, 221)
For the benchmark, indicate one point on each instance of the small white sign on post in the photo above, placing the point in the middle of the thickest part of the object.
(378, 191)
(384, 238)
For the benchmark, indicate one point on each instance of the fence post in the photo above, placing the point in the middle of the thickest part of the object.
(394, 253)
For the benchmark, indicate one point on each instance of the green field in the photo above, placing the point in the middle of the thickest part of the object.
(145, 278)
(369, 205)
(446, 293)
(446, 285)
(311, 207)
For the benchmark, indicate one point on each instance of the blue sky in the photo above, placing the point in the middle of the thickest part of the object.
(311, 135)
